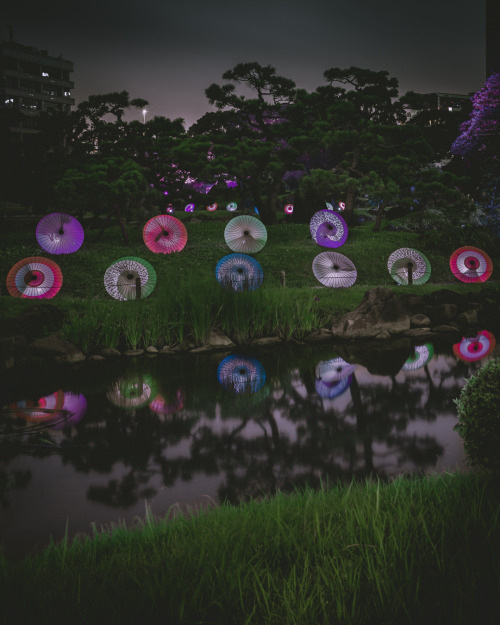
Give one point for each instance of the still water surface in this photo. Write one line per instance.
(97, 442)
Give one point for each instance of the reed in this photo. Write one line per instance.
(410, 551)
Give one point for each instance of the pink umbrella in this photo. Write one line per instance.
(288, 209)
(470, 264)
(35, 277)
(475, 348)
(165, 234)
(212, 207)
(58, 233)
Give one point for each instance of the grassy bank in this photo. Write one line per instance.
(413, 551)
(188, 301)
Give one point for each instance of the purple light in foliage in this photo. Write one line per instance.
(231, 184)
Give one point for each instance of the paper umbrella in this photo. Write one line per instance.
(241, 374)
(130, 278)
(475, 348)
(470, 264)
(58, 233)
(245, 234)
(328, 229)
(334, 270)
(407, 264)
(239, 272)
(35, 277)
(165, 234)
(419, 358)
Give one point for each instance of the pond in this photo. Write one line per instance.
(99, 442)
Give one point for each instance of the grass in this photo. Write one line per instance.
(188, 301)
(411, 551)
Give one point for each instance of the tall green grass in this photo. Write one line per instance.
(412, 551)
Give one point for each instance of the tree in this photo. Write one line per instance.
(104, 187)
(250, 137)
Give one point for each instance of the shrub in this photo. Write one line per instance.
(478, 407)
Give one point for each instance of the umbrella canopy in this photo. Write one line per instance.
(163, 407)
(232, 206)
(288, 209)
(245, 234)
(132, 391)
(35, 277)
(330, 390)
(239, 272)
(470, 264)
(189, 207)
(333, 370)
(58, 233)
(164, 234)
(328, 229)
(212, 207)
(56, 411)
(420, 357)
(334, 270)
(241, 374)
(120, 278)
(471, 349)
(400, 262)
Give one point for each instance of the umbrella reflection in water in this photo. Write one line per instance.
(333, 377)
(241, 374)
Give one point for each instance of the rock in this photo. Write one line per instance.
(202, 349)
(11, 348)
(217, 339)
(414, 303)
(134, 352)
(382, 336)
(167, 350)
(467, 318)
(96, 357)
(443, 313)
(419, 333)
(420, 321)
(323, 334)
(267, 340)
(381, 309)
(152, 349)
(58, 349)
(445, 296)
(446, 329)
(109, 352)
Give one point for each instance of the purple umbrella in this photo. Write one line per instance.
(58, 233)
(328, 229)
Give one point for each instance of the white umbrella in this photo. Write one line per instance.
(334, 270)
(245, 234)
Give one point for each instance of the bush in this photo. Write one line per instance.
(478, 408)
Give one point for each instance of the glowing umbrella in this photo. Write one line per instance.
(58, 233)
(471, 349)
(342, 206)
(35, 277)
(57, 411)
(330, 390)
(189, 208)
(232, 206)
(130, 278)
(164, 234)
(288, 209)
(409, 266)
(420, 357)
(239, 272)
(170, 209)
(334, 270)
(333, 370)
(212, 207)
(241, 374)
(470, 264)
(245, 234)
(328, 229)
(329, 206)
(134, 391)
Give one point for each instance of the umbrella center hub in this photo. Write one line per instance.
(336, 267)
(165, 233)
(246, 232)
(471, 263)
(240, 270)
(61, 231)
(241, 371)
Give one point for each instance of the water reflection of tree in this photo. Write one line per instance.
(289, 438)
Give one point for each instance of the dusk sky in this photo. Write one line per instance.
(169, 52)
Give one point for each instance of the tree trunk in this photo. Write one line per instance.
(350, 198)
(122, 225)
(380, 214)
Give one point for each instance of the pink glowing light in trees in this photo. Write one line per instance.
(484, 119)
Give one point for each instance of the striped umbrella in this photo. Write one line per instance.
(232, 206)
(328, 229)
(164, 234)
(241, 374)
(470, 264)
(406, 262)
(245, 234)
(125, 275)
(239, 272)
(58, 233)
(162, 407)
(132, 391)
(334, 270)
(288, 209)
(35, 277)
(420, 357)
(475, 348)
(330, 390)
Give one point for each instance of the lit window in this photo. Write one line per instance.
(67, 93)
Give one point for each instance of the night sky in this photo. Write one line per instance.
(169, 52)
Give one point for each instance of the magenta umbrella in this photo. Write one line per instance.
(58, 233)
(35, 277)
(328, 229)
(164, 234)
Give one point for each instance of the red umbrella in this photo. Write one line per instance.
(35, 277)
(470, 264)
(164, 234)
